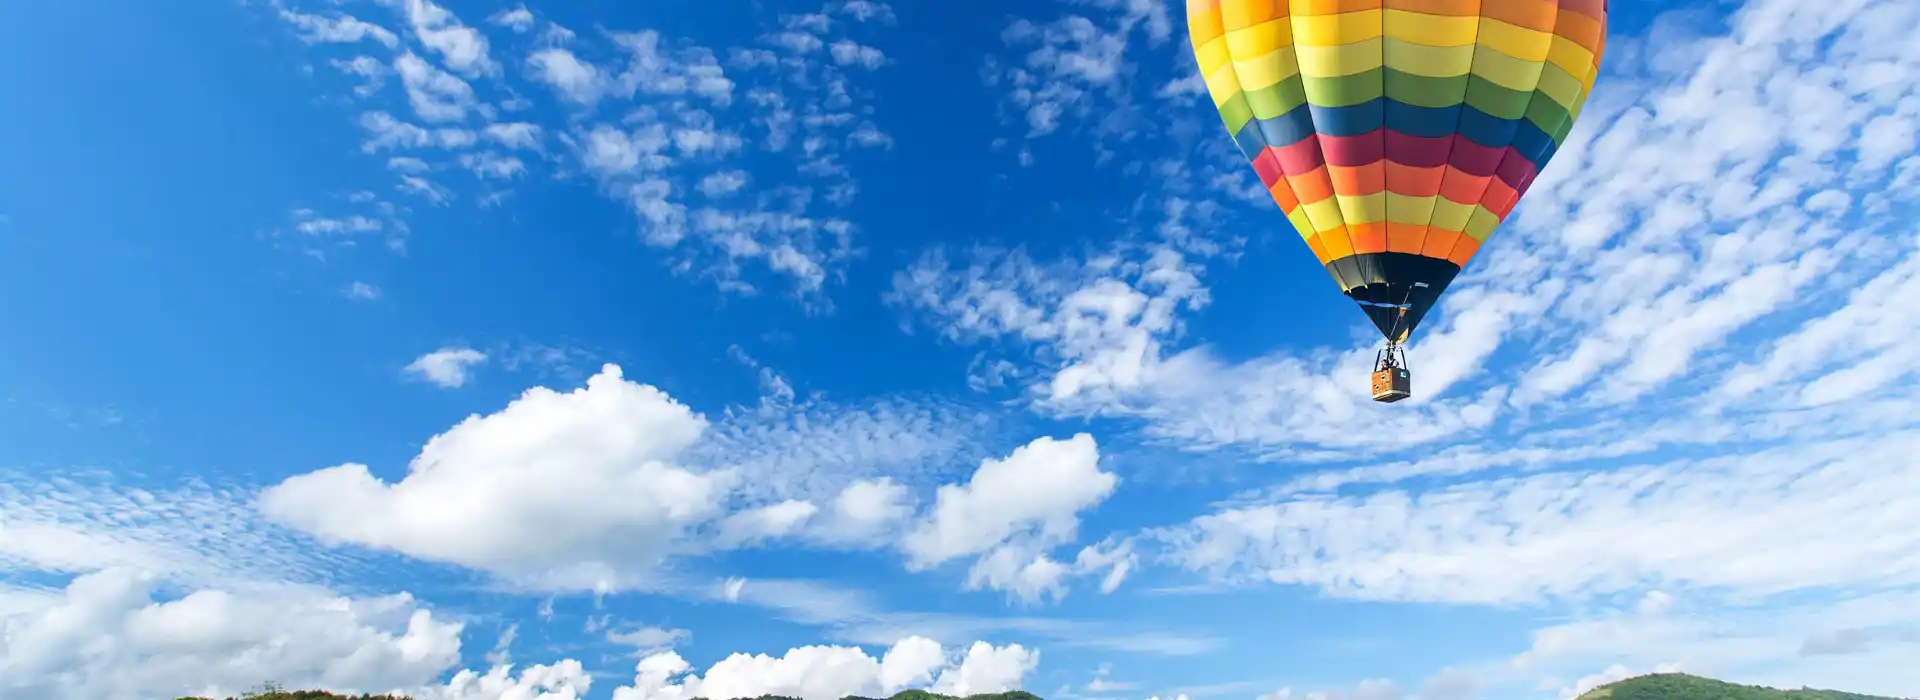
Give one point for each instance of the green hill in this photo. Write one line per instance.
(1680, 686)
(904, 695)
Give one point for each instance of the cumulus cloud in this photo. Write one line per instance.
(566, 680)
(1010, 513)
(576, 489)
(866, 512)
(1036, 491)
(450, 368)
(831, 672)
(105, 637)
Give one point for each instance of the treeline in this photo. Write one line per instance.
(1679, 686)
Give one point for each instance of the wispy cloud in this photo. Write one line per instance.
(1751, 523)
(199, 534)
(450, 368)
(1076, 65)
(338, 29)
(361, 291)
(689, 119)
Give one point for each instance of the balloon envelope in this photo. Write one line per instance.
(1397, 134)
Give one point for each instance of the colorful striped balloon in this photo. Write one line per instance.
(1397, 134)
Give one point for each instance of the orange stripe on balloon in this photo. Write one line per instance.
(1463, 250)
(1580, 29)
(1337, 243)
(1368, 238)
(1414, 182)
(1405, 238)
(1440, 243)
(1355, 182)
(1283, 196)
(1537, 15)
(1312, 185)
(1319, 249)
(1463, 188)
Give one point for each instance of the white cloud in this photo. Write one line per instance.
(196, 535)
(830, 672)
(1010, 513)
(361, 291)
(106, 638)
(1757, 522)
(821, 451)
(407, 164)
(436, 95)
(1037, 491)
(651, 70)
(867, 10)
(1074, 62)
(518, 19)
(369, 69)
(462, 48)
(575, 80)
(342, 29)
(451, 368)
(646, 641)
(568, 490)
(850, 53)
(347, 225)
(1742, 643)
(385, 133)
(566, 680)
(683, 141)
(753, 526)
(515, 135)
(426, 189)
(723, 183)
(493, 165)
(865, 512)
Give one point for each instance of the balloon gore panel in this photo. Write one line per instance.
(1396, 135)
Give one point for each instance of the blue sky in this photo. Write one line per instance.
(568, 350)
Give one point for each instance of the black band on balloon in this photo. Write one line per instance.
(1395, 289)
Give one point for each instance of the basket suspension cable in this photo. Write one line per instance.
(1389, 361)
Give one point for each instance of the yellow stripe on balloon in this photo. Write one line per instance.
(1431, 30)
(1334, 30)
(1337, 61)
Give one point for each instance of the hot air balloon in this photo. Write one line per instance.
(1397, 134)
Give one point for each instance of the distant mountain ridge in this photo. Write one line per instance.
(1680, 686)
